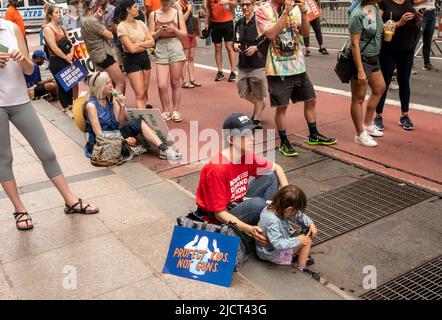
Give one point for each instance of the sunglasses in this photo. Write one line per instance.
(245, 4)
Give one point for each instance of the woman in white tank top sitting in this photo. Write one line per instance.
(15, 107)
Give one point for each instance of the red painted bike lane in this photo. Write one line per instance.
(414, 156)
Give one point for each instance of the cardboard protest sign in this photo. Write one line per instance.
(202, 255)
(71, 75)
(154, 120)
(80, 52)
(313, 10)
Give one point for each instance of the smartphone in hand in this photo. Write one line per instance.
(3, 48)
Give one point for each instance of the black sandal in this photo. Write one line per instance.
(18, 219)
(82, 210)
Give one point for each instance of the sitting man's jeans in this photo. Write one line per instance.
(259, 191)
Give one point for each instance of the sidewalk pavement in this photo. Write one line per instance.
(116, 254)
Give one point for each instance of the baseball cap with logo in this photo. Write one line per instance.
(239, 123)
(39, 54)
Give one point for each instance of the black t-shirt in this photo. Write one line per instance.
(246, 34)
(404, 37)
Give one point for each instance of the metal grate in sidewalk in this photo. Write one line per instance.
(347, 208)
(422, 283)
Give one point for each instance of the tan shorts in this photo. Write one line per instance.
(168, 51)
(252, 82)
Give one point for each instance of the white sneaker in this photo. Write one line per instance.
(170, 154)
(366, 140)
(373, 131)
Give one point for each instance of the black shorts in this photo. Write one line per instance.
(132, 128)
(40, 90)
(296, 88)
(134, 62)
(222, 30)
(107, 62)
(370, 64)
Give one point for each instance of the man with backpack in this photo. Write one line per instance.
(225, 192)
(282, 23)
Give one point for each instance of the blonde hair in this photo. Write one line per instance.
(97, 83)
(50, 12)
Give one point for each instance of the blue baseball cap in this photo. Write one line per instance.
(39, 54)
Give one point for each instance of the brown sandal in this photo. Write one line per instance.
(18, 219)
(82, 210)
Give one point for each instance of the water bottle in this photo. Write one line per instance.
(209, 40)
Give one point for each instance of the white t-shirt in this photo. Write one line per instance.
(13, 89)
(429, 5)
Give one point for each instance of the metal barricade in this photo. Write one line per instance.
(334, 16)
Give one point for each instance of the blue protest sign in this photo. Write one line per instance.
(202, 255)
(71, 75)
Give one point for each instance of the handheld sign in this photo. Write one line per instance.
(154, 119)
(313, 10)
(71, 75)
(80, 50)
(202, 255)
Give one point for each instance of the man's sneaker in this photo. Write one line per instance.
(379, 122)
(232, 77)
(366, 140)
(311, 274)
(310, 260)
(323, 51)
(406, 123)
(287, 149)
(430, 67)
(320, 139)
(219, 76)
(307, 52)
(413, 70)
(372, 131)
(170, 154)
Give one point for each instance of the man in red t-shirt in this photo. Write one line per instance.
(224, 193)
(219, 18)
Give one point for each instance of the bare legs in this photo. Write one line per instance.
(174, 72)
(358, 91)
(258, 106)
(59, 182)
(189, 67)
(117, 77)
(140, 83)
(219, 56)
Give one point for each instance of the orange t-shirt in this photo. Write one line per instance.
(12, 14)
(218, 13)
(153, 4)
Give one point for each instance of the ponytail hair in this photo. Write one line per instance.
(124, 6)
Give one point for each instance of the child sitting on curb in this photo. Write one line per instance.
(284, 249)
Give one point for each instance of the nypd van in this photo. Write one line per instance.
(32, 11)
